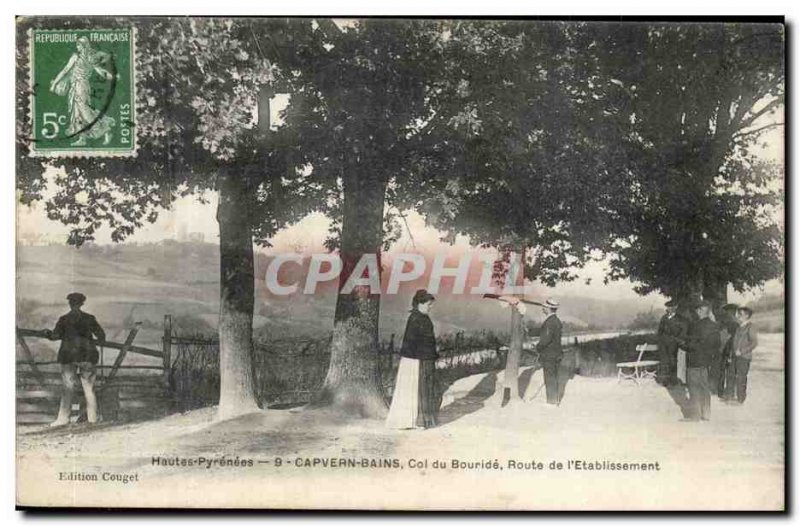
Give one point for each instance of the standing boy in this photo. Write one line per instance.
(702, 344)
(745, 340)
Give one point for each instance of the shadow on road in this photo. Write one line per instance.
(487, 388)
(525, 383)
(680, 396)
(470, 403)
(567, 369)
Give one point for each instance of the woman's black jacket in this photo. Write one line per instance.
(419, 341)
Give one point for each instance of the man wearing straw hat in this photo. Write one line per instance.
(78, 356)
(549, 348)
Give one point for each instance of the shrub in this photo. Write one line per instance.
(645, 321)
(290, 370)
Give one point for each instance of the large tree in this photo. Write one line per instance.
(198, 82)
(690, 103)
(359, 97)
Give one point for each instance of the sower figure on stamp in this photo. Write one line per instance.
(78, 356)
(701, 345)
(74, 81)
(671, 330)
(744, 342)
(549, 348)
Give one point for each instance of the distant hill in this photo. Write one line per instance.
(768, 302)
(769, 312)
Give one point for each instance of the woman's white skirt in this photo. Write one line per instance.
(405, 399)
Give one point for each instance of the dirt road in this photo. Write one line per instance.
(482, 456)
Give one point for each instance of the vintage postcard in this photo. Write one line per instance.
(411, 264)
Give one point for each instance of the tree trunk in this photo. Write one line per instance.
(353, 381)
(717, 293)
(691, 291)
(511, 375)
(237, 379)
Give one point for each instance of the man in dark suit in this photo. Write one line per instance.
(727, 325)
(549, 348)
(78, 356)
(701, 345)
(744, 341)
(671, 330)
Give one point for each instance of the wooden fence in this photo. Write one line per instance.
(124, 391)
(184, 374)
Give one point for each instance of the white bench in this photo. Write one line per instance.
(638, 370)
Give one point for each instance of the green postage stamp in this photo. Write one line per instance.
(82, 92)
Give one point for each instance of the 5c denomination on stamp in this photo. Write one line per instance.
(83, 92)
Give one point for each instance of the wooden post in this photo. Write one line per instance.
(123, 352)
(511, 375)
(166, 343)
(514, 354)
(390, 357)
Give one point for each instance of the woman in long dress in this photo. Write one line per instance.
(74, 82)
(415, 402)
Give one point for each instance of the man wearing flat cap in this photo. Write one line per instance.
(549, 348)
(78, 356)
(671, 329)
(701, 345)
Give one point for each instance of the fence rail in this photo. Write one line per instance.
(287, 370)
(111, 345)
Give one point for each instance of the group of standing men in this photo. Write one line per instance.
(718, 353)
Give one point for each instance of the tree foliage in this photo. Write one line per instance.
(197, 84)
(359, 96)
(360, 93)
(522, 156)
(697, 204)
